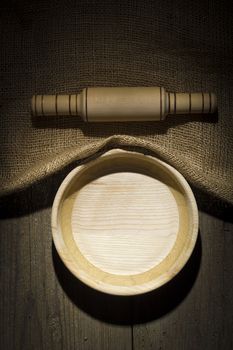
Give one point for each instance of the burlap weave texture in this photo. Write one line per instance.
(62, 47)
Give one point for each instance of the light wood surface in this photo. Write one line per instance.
(108, 104)
(124, 223)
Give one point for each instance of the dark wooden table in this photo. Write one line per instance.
(44, 307)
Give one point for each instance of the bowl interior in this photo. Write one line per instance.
(124, 223)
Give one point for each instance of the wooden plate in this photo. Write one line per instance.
(124, 223)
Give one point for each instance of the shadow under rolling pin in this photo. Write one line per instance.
(110, 104)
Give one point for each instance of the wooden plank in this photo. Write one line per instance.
(42, 306)
(194, 312)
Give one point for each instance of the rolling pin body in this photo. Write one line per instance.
(104, 104)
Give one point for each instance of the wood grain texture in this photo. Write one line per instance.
(124, 223)
(43, 307)
(204, 319)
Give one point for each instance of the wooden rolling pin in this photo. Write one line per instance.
(108, 104)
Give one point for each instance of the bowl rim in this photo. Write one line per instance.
(63, 250)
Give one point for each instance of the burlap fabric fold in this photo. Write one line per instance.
(62, 47)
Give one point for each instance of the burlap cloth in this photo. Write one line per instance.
(62, 47)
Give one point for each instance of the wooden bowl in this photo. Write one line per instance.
(124, 223)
